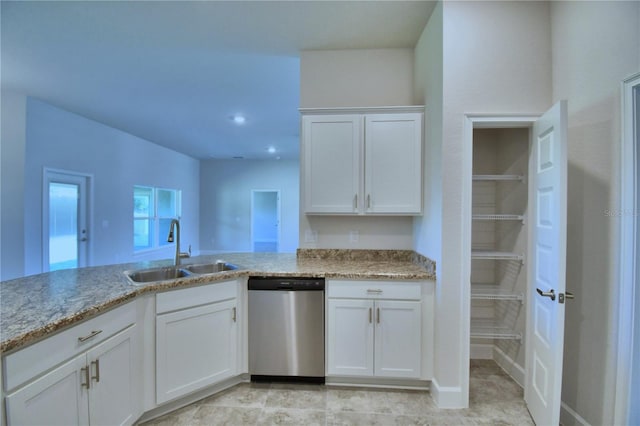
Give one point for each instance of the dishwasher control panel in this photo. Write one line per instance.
(281, 283)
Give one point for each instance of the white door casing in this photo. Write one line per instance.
(627, 327)
(83, 183)
(547, 265)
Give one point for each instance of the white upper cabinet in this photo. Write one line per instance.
(365, 161)
(332, 163)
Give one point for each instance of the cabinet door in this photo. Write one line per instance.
(350, 337)
(331, 167)
(114, 397)
(398, 339)
(195, 348)
(57, 398)
(393, 163)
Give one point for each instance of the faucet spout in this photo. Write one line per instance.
(175, 226)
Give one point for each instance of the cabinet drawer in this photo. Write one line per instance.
(195, 296)
(36, 359)
(405, 290)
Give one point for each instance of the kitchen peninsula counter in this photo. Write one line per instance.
(37, 306)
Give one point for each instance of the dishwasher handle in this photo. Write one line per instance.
(286, 284)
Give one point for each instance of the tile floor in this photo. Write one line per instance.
(495, 399)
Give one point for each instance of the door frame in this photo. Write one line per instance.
(629, 238)
(278, 215)
(47, 172)
(471, 122)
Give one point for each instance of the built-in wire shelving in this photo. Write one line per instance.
(492, 329)
(498, 217)
(495, 178)
(496, 255)
(493, 292)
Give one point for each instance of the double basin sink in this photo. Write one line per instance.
(173, 272)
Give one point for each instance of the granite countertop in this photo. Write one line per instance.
(35, 306)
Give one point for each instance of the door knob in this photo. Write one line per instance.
(551, 294)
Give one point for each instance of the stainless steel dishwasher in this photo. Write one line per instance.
(286, 329)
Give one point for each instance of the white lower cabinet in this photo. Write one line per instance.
(196, 343)
(374, 337)
(96, 387)
(350, 338)
(397, 345)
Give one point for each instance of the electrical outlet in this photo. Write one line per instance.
(310, 236)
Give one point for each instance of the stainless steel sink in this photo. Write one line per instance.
(157, 274)
(210, 268)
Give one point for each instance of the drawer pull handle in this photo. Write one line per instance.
(370, 315)
(97, 364)
(374, 291)
(233, 314)
(86, 376)
(378, 315)
(89, 336)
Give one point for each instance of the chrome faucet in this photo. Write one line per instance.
(175, 223)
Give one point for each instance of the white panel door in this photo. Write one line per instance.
(114, 397)
(393, 163)
(545, 329)
(398, 339)
(350, 337)
(331, 168)
(195, 348)
(57, 398)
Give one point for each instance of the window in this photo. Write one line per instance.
(153, 209)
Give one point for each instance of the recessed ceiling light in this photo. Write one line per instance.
(238, 119)
(271, 150)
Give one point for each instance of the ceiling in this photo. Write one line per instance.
(175, 72)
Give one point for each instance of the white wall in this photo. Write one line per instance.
(496, 59)
(356, 78)
(225, 201)
(428, 91)
(595, 46)
(117, 160)
(12, 151)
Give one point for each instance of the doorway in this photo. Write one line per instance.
(65, 213)
(628, 367)
(516, 201)
(265, 220)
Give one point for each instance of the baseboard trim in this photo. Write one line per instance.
(378, 382)
(191, 398)
(448, 397)
(568, 417)
(507, 363)
(481, 351)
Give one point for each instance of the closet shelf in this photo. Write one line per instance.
(496, 255)
(490, 329)
(478, 178)
(492, 292)
(498, 217)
